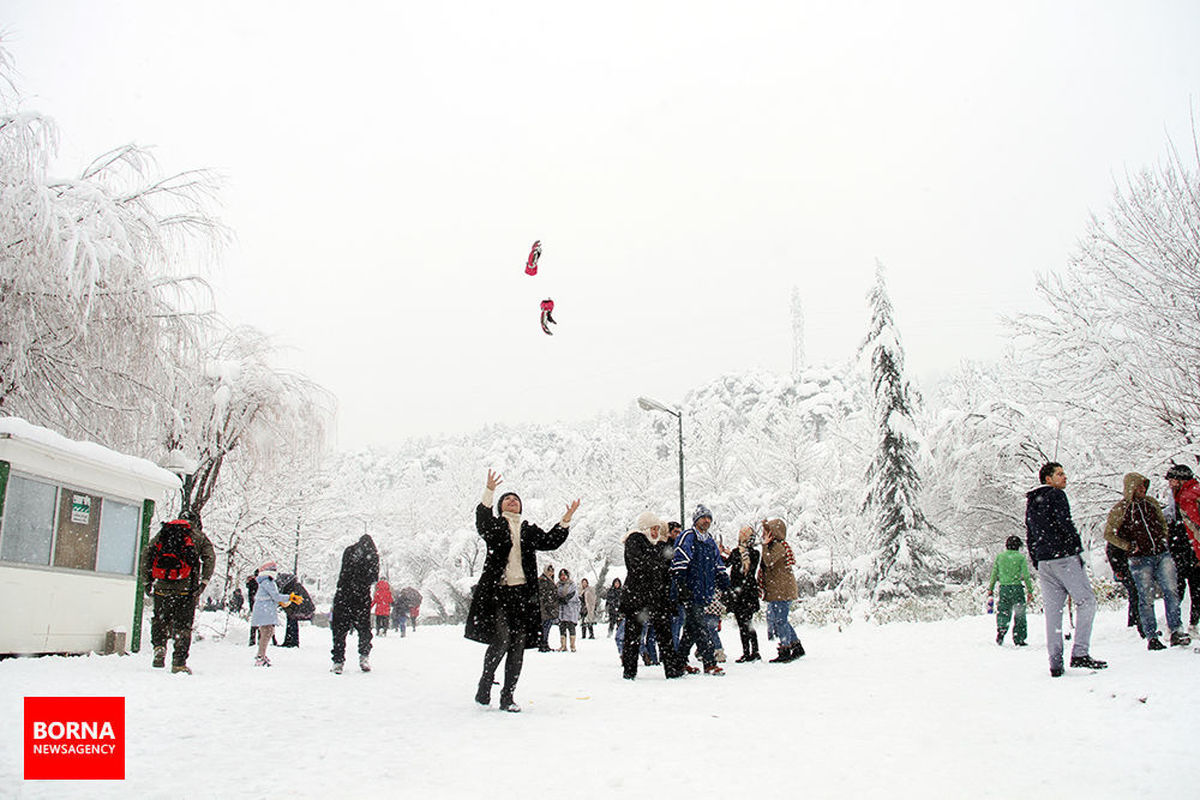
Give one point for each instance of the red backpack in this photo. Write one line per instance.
(175, 553)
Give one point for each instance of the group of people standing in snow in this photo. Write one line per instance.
(1148, 549)
(678, 584)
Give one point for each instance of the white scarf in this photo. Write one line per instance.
(514, 573)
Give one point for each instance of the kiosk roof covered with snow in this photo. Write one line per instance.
(73, 520)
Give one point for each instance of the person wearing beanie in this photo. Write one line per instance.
(352, 602)
(264, 614)
(697, 574)
(1136, 525)
(779, 588)
(1011, 571)
(646, 599)
(1186, 491)
(504, 612)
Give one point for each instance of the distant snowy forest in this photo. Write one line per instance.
(896, 499)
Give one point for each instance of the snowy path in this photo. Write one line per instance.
(904, 710)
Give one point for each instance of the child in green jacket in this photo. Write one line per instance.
(1011, 570)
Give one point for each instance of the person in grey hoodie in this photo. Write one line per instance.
(1055, 550)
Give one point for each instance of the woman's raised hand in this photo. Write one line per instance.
(493, 480)
(570, 512)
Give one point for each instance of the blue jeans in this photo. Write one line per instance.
(777, 618)
(1147, 571)
(677, 627)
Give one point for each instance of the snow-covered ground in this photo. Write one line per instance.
(901, 710)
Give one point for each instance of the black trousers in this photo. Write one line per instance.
(745, 623)
(631, 647)
(1189, 576)
(173, 616)
(291, 637)
(350, 614)
(507, 645)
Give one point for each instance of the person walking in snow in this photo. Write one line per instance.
(174, 566)
(697, 574)
(568, 609)
(743, 563)
(504, 612)
(587, 611)
(646, 599)
(381, 606)
(779, 588)
(1056, 552)
(547, 606)
(264, 615)
(1016, 585)
(352, 602)
(1136, 525)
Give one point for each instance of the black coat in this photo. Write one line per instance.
(1049, 531)
(481, 618)
(743, 586)
(647, 576)
(360, 570)
(290, 584)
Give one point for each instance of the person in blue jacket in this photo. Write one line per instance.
(697, 574)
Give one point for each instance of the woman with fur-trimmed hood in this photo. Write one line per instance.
(504, 611)
(646, 599)
(779, 588)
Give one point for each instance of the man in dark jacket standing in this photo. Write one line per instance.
(352, 601)
(1055, 550)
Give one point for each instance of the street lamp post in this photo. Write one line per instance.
(647, 404)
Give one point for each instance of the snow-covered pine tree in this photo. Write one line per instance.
(904, 563)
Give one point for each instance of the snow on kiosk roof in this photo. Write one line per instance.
(74, 517)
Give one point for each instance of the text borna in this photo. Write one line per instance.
(73, 730)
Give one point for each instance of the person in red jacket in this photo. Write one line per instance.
(1187, 501)
(381, 606)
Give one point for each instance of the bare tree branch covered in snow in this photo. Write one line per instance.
(96, 317)
(1119, 348)
(241, 401)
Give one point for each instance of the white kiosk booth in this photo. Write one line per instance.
(74, 519)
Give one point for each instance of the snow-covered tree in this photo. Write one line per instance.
(1119, 346)
(96, 316)
(904, 562)
(242, 401)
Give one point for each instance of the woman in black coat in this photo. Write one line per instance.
(743, 591)
(646, 598)
(504, 611)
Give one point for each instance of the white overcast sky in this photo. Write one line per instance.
(387, 166)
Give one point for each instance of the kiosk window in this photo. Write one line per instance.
(28, 525)
(119, 527)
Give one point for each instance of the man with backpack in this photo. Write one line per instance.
(176, 566)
